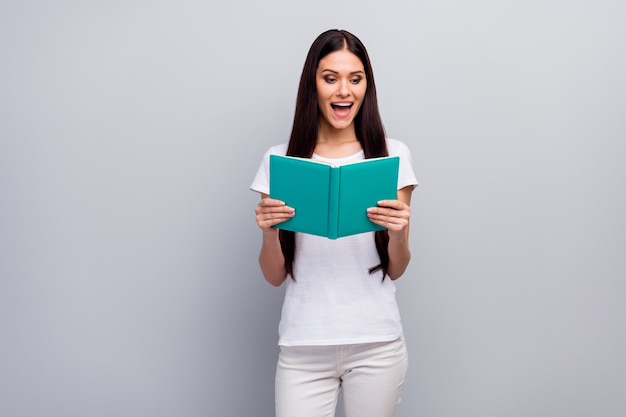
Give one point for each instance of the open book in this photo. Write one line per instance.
(332, 201)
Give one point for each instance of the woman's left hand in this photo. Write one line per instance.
(392, 214)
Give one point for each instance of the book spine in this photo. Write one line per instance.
(333, 202)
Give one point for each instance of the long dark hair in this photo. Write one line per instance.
(367, 123)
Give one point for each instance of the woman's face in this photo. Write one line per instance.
(341, 86)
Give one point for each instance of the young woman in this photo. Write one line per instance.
(340, 326)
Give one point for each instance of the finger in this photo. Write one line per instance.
(275, 215)
(270, 202)
(388, 212)
(390, 222)
(389, 218)
(266, 219)
(394, 204)
(271, 221)
(392, 226)
(274, 209)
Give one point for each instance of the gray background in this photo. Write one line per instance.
(131, 130)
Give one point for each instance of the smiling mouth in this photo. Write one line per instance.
(341, 106)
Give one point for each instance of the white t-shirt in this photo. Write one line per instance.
(334, 299)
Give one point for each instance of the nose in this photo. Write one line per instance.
(343, 90)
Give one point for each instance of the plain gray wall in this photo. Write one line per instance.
(130, 132)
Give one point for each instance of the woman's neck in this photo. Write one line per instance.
(337, 143)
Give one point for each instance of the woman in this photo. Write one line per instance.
(340, 326)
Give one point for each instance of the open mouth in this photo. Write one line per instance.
(341, 106)
(341, 109)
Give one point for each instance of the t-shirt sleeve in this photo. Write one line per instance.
(261, 181)
(406, 175)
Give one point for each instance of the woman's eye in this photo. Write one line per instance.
(355, 80)
(330, 80)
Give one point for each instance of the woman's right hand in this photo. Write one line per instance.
(270, 212)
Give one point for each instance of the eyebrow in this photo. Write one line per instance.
(336, 72)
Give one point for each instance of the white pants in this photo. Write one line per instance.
(371, 376)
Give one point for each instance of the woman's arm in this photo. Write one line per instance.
(271, 260)
(394, 215)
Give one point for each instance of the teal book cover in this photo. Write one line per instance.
(332, 201)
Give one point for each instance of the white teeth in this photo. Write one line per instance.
(342, 104)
